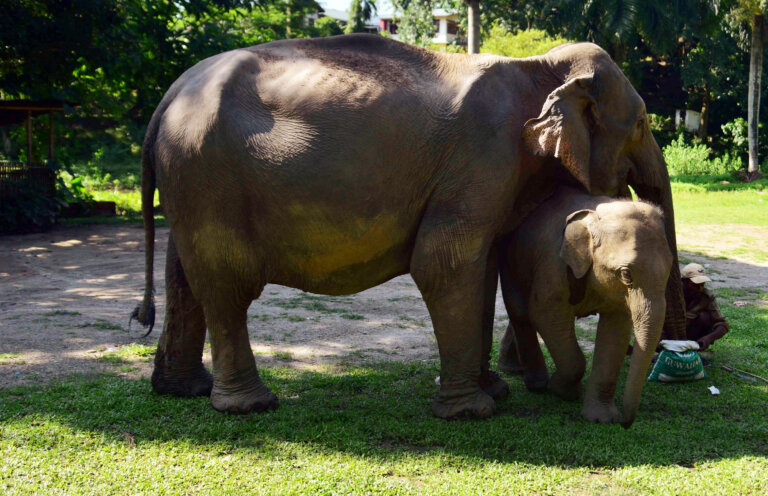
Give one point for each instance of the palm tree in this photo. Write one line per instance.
(753, 12)
(617, 25)
(359, 12)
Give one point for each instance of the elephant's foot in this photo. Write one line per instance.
(493, 385)
(197, 382)
(536, 381)
(566, 388)
(602, 413)
(256, 399)
(463, 403)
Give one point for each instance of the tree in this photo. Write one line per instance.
(473, 26)
(416, 24)
(710, 69)
(620, 25)
(753, 12)
(524, 43)
(359, 12)
(328, 26)
(116, 58)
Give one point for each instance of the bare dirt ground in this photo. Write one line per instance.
(65, 297)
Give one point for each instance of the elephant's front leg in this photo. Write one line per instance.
(558, 331)
(179, 368)
(613, 334)
(453, 288)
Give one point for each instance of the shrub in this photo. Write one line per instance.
(663, 129)
(328, 26)
(735, 135)
(27, 207)
(693, 159)
(521, 44)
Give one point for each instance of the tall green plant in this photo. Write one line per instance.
(360, 11)
(524, 43)
(416, 24)
(753, 12)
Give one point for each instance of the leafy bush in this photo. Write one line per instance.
(521, 44)
(663, 129)
(660, 123)
(693, 159)
(328, 26)
(735, 133)
(27, 207)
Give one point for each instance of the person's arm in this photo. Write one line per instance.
(720, 329)
(720, 326)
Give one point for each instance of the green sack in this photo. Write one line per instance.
(676, 366)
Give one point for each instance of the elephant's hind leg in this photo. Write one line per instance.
(179, 367)
(519, 351)
(490, 381)
(237, 387)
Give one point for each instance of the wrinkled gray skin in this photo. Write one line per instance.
(577, 255)
(334, 164)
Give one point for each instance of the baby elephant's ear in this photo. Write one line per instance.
(576, 249)
(563, 128)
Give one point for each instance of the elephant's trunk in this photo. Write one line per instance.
(650, 179)
(647, 319)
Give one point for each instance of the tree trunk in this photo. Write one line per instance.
(704, 121)
(755, 74)
(288, 21)
(473, 26)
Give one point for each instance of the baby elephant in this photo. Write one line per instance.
(577, 255)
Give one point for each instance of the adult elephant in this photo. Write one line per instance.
(332, 165)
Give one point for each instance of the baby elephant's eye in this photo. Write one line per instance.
(626, 276)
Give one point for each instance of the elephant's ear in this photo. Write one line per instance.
(562, 130)
(576, 249)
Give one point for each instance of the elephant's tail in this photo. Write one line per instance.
(145, 312)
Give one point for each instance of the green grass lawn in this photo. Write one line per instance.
(367, 429)
(703, 200)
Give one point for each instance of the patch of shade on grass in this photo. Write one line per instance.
(367, 429)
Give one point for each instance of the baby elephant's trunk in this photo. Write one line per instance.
(648, 320)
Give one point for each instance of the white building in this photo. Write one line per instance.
(446, 26)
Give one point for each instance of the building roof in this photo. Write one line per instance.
(435, 13)
(16, 111)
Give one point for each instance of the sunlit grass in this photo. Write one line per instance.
(367, 429)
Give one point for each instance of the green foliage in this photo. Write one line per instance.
(659, 122)
(360, 12)
(447, 48)
(735, 133)
(663, 129)
(416, 24)
(27, 207)
(621, 25)
(524, 43)
(328, 26)
(367, 430)
(684, 158)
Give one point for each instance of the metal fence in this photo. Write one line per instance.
(15, 176)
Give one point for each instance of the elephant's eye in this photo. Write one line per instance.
(626, 276)
(639, 127)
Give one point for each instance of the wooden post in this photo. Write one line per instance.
(50, 136)
(29, 136)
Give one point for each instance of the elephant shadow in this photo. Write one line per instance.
(380, 411)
